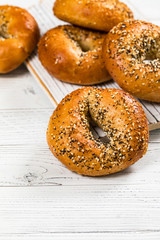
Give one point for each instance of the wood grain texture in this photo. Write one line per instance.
(73, 210)
(120, 235)
(18, 90)
(73, 213)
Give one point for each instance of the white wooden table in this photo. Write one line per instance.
(41, 199)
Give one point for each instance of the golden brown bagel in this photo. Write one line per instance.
(131, 52)
(119, 115)
(19, 35)
(74, 55)
(101, 15)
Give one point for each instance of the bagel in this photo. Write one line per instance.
(119, 115)
(19, 35)
(73, 55)
(100, 15)
(131, 53)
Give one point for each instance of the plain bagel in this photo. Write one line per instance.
(131, 52)
(101, 15)
(19, 35)
(119, 115)
(73, 55)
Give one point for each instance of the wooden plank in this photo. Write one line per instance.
(19, 90)
(121, 235)
(27, 126)
(109, 209)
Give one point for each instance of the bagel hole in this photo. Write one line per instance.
(98, 133)
(150, 57)
(153, 52)
(3, 31)
(80, 41)
(84, 46)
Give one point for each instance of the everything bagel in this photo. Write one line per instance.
(100, 15)
(73, 55)
(19, 35)
(119, 115)
(131, 52)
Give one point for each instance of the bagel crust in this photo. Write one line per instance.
(73, 55)
(119, 115)
(100, 15)
(19, 35)
(131, 52)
